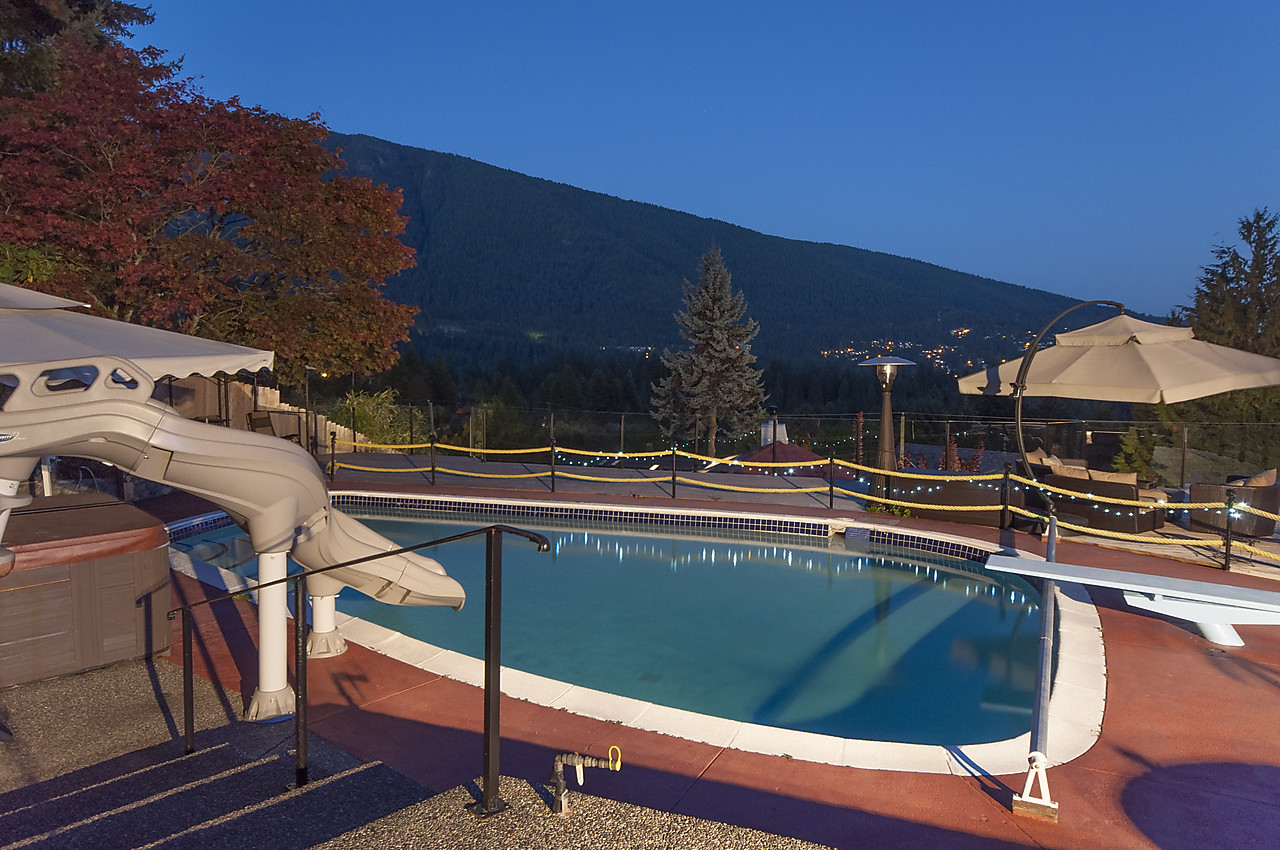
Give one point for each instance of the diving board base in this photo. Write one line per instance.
(1028, 803)
(1215, 622)
(1214, 608)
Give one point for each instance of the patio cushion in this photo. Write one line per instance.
(1071, 472)
(1114, 477)
(1262, 479)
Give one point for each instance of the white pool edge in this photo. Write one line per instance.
(1075, 708)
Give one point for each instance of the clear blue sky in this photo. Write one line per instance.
(1094, 149)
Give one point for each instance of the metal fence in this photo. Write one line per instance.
(1170, 453)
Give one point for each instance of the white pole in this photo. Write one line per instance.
(273, 699)
(1029, 802)
(325, 641)
(9, 499)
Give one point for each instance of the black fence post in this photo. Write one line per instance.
(433, 458)
(300, 631)
(831, 483)
(188, 685)
(673, 472)
(1226, 536)
(333, 454)
(1005, 516)
(551, 432)
(490, 801)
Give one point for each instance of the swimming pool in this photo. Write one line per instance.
(850, 640)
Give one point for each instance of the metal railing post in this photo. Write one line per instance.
(493, 662)
(333, 454)
(552, 434)
(433, 458)
(831, 483)
(188, 685)
(300, 631)
(1005, 517)
(491, 803)
(1226, 536)
(673, 472)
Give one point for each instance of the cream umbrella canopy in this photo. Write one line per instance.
(1128, 360)
(35, 328)
(17, 298)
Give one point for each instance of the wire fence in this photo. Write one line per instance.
(1171, 454)
(965, 497)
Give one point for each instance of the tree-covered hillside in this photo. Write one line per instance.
(504, 260)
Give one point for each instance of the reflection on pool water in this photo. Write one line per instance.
(842, 639)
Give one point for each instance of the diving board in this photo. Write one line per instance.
(1214, 608)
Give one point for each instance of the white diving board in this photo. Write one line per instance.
(1214, 608)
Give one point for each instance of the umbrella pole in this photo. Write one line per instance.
(1028, 802)
(1020, 384)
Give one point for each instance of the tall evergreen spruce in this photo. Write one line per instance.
(1238, 297)
(712, 386)
(1237, 303)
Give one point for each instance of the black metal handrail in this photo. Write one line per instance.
(491, 803)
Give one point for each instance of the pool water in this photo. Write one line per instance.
(840, 639)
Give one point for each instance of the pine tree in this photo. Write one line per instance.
(711, 386)
(1236, 304)
(28, 52)
(1236, 300)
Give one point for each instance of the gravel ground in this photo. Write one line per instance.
(441, 823)
(61, 736)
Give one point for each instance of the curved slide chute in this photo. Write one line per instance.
(101, 408)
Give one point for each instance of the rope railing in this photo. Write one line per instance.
(742, 488)
(864, 473)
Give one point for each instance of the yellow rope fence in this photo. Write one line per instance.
(422, 469)
(694, 482)
(831, 488)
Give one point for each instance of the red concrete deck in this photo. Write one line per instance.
(1189, 754)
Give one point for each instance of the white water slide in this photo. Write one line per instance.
(101, 408)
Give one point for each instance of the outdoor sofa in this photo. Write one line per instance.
(946, 493)
(1084, 509)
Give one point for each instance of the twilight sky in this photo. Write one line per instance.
(1093, 149)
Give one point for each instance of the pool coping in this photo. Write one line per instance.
(1076, 705)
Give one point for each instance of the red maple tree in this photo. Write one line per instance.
(163, 207)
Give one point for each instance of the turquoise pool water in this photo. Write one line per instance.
(840, 639)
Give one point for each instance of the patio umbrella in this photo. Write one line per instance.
(1127, 359)
(17, 298)
(36, 328)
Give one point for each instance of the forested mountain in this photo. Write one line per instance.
(506, 261)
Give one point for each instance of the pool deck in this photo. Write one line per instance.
(1188, 754)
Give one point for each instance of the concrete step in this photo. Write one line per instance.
(221, 795)
(91, 792)
(134, 820)
(318, 812)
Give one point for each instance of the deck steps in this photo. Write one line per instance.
(218, 796)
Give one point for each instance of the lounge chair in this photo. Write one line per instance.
(260, 421)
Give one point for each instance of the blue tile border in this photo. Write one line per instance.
(401, 505)
(197, 525)
(526, 510)
(903, 540)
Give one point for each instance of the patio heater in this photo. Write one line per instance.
(886, 371)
